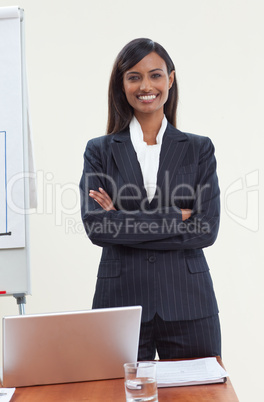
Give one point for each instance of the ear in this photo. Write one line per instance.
(171, 78)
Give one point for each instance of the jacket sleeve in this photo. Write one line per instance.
(162, 230)
(201, 229)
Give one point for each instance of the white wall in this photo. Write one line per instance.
(217, 47)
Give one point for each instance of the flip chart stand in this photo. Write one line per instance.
(21, 301)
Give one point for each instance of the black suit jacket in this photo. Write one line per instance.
(150, 257)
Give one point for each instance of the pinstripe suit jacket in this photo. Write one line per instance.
(149, 256)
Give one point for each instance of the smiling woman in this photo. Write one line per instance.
(150, 198)
(147, 88)
(147, 62)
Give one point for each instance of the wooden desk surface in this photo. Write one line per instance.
(114, 391)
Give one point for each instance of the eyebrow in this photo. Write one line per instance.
(151, 71)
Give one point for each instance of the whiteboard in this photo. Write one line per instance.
(14, 156)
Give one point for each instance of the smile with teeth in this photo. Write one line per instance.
(146, 97)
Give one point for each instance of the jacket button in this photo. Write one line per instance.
(152, 258)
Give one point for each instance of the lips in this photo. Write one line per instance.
(147, 97)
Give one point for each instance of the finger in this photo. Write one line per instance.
(95, 193)
(102, 199)
(104, 196)
(98, 197)
(103, 205)
(101, 194)
(102, 191)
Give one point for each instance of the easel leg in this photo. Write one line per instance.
(21, 301)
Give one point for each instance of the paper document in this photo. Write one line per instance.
(6, 394)
(190, 372)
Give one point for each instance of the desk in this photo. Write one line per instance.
(113, 391)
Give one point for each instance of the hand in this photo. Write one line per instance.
(186, 213)
(103, 199)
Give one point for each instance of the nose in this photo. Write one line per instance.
(145, 85)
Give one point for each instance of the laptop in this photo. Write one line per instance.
(69, 347)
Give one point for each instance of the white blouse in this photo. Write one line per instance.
(147, 155)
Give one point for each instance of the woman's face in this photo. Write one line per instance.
(147, 84)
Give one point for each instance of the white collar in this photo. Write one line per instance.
(136, 133)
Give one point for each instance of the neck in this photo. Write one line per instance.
(150, 125)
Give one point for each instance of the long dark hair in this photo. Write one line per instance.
(120, 112)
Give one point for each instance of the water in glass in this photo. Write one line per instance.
(141, 390)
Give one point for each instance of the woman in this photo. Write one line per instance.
(150, 198)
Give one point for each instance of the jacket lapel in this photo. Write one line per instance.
(127, 163)
(173, 149)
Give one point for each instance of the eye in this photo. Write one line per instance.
(156, 75)
(133, 77)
